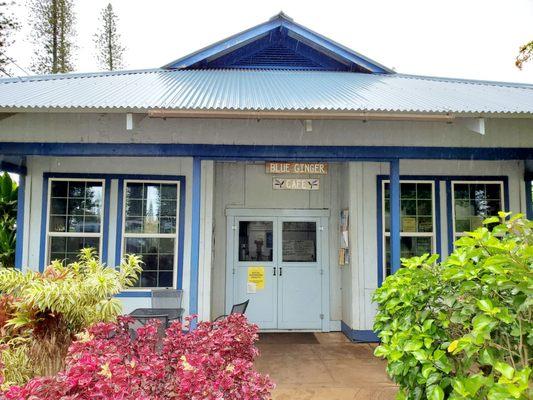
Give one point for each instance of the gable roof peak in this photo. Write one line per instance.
(281, 15)
(279, 43)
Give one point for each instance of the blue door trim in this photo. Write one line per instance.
(120, 212)
(195, 235)
(262, 152)
(19, 249)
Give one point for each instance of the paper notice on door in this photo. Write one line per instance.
(256, 277)
(251, 288)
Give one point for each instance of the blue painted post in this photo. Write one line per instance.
(195, 235)
(20, 222)
(529, 198)
(395, 215)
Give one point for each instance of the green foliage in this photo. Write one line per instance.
(80, 292)
(52, 35)
(42, 312)
(8, 25)
(15, 362)
(109, 49)
(8, 220)
(463, 329)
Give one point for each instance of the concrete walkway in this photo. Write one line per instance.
(329, 367)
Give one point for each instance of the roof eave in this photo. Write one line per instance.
(393, 115)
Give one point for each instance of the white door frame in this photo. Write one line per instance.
(231, 228)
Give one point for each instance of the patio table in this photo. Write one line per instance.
(168, 314)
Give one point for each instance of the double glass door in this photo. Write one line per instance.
(277, 265)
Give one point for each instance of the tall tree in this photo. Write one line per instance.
(525, 54)
(53, 35)
(8, 24)
(110, 51)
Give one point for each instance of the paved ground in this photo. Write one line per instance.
(329, 367)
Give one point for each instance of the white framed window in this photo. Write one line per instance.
(417, 220)
(472, 202)
(150, 229)
(75, 217)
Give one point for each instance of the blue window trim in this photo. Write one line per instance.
(263, 152)
(449, 199)
(44, 211)
(19, 249)
(448, 179)
(436, 193)
(181, 227)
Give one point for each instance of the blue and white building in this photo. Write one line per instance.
(275, 165)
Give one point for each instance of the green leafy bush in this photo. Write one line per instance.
(8, 220)
(40, 313)
(462, 329)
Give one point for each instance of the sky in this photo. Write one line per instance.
(477, 39)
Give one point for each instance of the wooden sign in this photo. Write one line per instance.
(317, 168)
(295, 184)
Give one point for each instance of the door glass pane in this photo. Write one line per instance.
(299, 241)
(255, 241)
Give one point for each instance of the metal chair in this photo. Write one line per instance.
(167, 298)
(166, 307)
(236, 309)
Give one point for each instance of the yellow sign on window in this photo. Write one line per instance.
(256, 276)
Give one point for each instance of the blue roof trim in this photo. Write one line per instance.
(329, 49)
(263, 152)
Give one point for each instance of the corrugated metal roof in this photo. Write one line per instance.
(264, 90)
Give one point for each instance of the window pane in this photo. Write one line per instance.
(81, 205)
(169, 192)
(473, 202)
(409, 247)
(67, 249)
(157, 255)
(151, 208)
(58, 206)
(134, 190)
(416, 207)
(408, 191)
(255, 241)
(75, 207)
(58, 223)
(59, 189)
(299, 241)
(76, 189)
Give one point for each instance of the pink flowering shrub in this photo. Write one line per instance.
(214, 361)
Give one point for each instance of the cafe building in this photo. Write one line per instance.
(275, 166)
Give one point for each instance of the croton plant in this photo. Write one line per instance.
(214, 361)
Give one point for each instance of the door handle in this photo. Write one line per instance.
(274, 271)
(280, 271)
